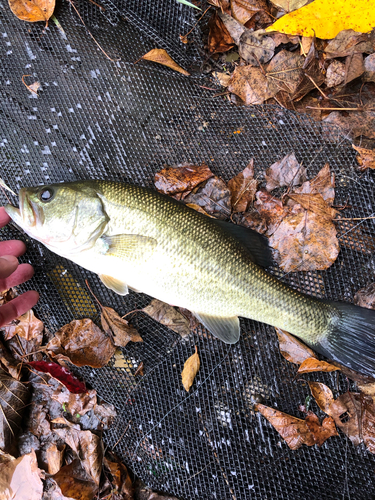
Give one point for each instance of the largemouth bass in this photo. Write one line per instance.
(136, 238)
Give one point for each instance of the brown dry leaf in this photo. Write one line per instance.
(14, 396)
(365, 158)
(369, 63)
(259, 21)
(244, 10)
(312, 77)
(354, 67)
(243, 188)
(198, 209)
(54, 458)
(293, 430)
(290, 5)
(234, 28)
(256, 48)
(121, 479)
(33, 88)
(8, 363)
(286, 172)
(222, 77)
(74, 482)
(335, 74)
(219, 38)
(161, 56)
(366, 297)
(346, 411)
(82, 343)
(323, 183)
(293, 349)
(306, 42)
(353, 124)
(286, 72)
(191, 368)
(368, 426)
(32, 10)
(75, 403)
(348, 42)
(322, 394)
(320, 431)
(271, 209)
(87, 446)
(305, 241)
(251, 85)
(20, 479)
(314, 365)
(26, 326)
(118, 328)
(314, 203)
(185, 177)
(169, 316)
(213, 196)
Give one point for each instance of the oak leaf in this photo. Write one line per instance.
(191, 368)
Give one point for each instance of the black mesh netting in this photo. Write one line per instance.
(115, 120)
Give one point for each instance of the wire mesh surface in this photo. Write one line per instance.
(99, 119)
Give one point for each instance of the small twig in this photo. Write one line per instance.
(335, 109)
(131, 312)
(122, 435)
(92, 293)
(184, 36)
(315, 85)
(89, 32)
(196, 474)
(354, 218)
(43, 349)
(100, 6)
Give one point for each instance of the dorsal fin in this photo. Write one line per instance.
(256, 244)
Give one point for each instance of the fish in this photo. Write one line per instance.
(135, 238)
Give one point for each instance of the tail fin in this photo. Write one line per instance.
(351, 339)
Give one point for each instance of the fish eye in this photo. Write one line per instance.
(46, 194)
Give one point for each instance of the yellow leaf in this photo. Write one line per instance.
(191, 368)
(326, 18)
(32, 10)
(162, 57)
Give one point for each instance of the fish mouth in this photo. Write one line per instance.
(26, 215)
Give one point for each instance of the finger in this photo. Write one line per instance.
(23, 273)
(8, 264)
(4, 217)
(12, 247)
(13, 309)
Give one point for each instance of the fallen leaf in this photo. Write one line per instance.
(290, 5)
(213, 196)
(121, 479)
(293, 430)
(305, 241)
(311, 77)
(255, 47)
(20, 479)
(369, 63)
(99, 419)
(191, 368)
(14, 396)
(314, 203)
(335, 74)
(320, 431)
(33, 88)
(286, 172)
(323, 183)
(243, 188)
(322, 394)
(118, 328)
(365, 158)
(270, 209)
(87, 446)
(222, 77)
(82, 343)
(259, 21)
(366, 297)
(347, 42)
(314, 365)
(185, 177)
(243, 10)
(54, 458)
(326, 18)
(26, 326)
(139, 370)
(61, 374)
(292, 349)
(354, 67)
(251, 85)
(169, 316)
(306, 42)
(285, 70)
(74, 482)
(368, 426)
(219, 38)
(234, 28)
(353, 124)
(32, 10)
(8, 363)
(161, 56)
(346, 411)
(75, 403)
(198, 209)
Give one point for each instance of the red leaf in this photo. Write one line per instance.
(61, 374)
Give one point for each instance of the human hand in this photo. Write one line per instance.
(12, 274)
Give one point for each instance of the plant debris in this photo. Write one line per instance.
(161, 56)
(118, 328)
(365, 158)
(32, 10)
(286, 172)
(61, 374)
(243, 188)
(314, 365)
(191, 368)
(169, 316)
(182, 178)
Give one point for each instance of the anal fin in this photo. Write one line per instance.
(225, 329)
(114, 284)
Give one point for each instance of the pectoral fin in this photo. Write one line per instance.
(225, 329)
(129, 246)
(116, 285)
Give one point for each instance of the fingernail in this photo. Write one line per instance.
(11, 259)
